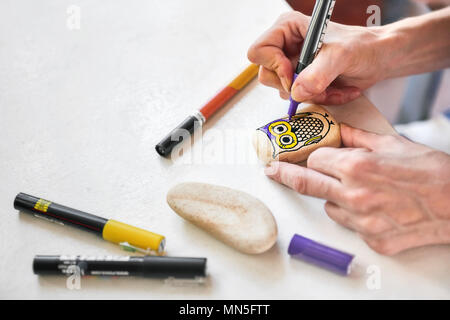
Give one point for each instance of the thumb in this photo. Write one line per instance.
(357, 138)
(315, 78)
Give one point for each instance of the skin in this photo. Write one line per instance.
(352, 58)
(393, 192)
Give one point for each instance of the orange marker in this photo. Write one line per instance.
(212, 106)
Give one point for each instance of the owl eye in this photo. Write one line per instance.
(287, 139)
(280, 129)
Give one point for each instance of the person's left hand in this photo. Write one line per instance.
(393, 192)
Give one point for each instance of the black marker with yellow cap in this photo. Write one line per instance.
(128, 237)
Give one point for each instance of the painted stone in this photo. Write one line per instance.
(234, 217)
(294, 140)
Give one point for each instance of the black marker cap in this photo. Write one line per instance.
(176, 136)
(25, 202)
(46, 265)
(56, 212)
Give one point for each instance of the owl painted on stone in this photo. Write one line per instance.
(293, 140)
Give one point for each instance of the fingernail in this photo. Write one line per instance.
(285, 83)
(312, 81)
(272, 169)
(268, 170)
(355, 95)
(300, 93)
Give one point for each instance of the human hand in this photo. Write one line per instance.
(395, 193)
(350, 60)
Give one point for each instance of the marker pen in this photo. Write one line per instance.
(321, 255)
(144, 266)
(313, 41)
(128, 237)
(200, 117)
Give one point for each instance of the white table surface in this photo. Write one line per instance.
(80, 113)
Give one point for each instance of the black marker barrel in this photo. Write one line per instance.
(58, 213)
(147, 266)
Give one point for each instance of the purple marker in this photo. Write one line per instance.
(313, 41)
(293, 105)
(321, 255)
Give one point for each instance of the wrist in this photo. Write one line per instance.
(390, 46)
(415, 45)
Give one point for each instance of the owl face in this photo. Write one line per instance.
(303, 129)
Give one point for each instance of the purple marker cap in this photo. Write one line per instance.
(293, 104)
(319, 254)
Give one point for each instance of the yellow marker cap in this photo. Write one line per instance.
(133, 238)
(245, 77)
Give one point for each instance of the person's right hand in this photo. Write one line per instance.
(350, 60)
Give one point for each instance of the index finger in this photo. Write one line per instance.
(306, 181)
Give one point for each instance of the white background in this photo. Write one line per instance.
(80, 113)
